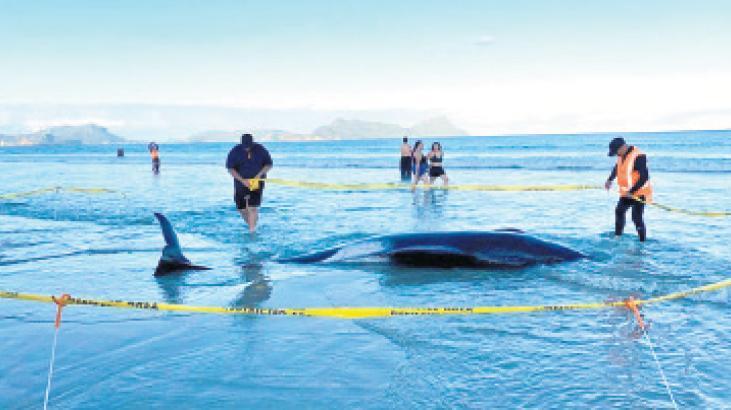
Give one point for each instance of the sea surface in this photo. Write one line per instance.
(106, 246)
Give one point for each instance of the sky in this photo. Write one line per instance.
(492, 67)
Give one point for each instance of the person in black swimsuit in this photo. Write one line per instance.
(436, 169)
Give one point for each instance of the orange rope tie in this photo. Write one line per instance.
(631, 304)
(60, 303)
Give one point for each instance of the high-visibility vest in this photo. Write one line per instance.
(627, 176)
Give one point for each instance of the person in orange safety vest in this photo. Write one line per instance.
(635, 189)
(155, 155)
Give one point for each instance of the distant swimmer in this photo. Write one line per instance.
(633, 179)
(419, 165)
(247, 163)
(405, 160)
(155, 155)
(436, 169)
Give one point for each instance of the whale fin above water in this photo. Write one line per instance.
(172, 258)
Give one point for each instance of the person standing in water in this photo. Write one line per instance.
(155, 155)
(635, 189)
(436, 170)
(248, 163)
(419, 165)
(405, 160)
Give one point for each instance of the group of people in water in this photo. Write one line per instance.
(417, 166)
(249, 162)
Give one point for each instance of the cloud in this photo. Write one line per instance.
(484, 41)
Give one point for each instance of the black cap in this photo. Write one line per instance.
(615, 145)
(247, 140)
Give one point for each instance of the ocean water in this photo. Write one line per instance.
(106, 246)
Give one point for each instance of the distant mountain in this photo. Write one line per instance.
(259, 134)
(436, 127)
(341, 129)
(64, 135)
(351, 129)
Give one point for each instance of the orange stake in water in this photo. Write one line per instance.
(631, 304)
(60, 303)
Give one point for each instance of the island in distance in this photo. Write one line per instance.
(339, 129)
(63, 135)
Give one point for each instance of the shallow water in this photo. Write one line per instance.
(107, 245)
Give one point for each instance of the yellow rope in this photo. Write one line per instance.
(353, 312)
(401, 186)
(41, 191)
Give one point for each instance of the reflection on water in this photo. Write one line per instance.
(171, 286)
(259, 286)
(429, 204)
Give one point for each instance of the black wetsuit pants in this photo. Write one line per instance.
(620, 212)
(405, 168)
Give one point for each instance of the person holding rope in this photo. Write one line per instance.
(247, 163)
(635, 189)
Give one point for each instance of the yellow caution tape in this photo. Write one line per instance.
(401, 186)
(41, 191)
(350, 312)
(710, 214)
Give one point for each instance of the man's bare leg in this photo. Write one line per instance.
(253, 218)
(244, 215)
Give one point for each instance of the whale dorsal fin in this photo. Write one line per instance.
(171, 251)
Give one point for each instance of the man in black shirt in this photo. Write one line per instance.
(247, 163)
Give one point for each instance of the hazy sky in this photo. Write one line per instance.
(490, 66)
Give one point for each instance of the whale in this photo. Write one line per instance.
(502, 248)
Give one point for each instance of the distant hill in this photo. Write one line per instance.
(260, 134)
(351, 129)
(436, 127)
(63, 135)
(341, 129)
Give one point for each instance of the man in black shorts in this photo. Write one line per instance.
(405, 160)
(247, 163)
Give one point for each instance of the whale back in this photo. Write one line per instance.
(474, 249)
(505, 248)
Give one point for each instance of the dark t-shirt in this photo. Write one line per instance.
(247, 164)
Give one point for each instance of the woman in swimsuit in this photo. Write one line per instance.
(419, 164)
(436, 169)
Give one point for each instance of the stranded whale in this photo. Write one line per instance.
(508, 248)
(503, 248)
